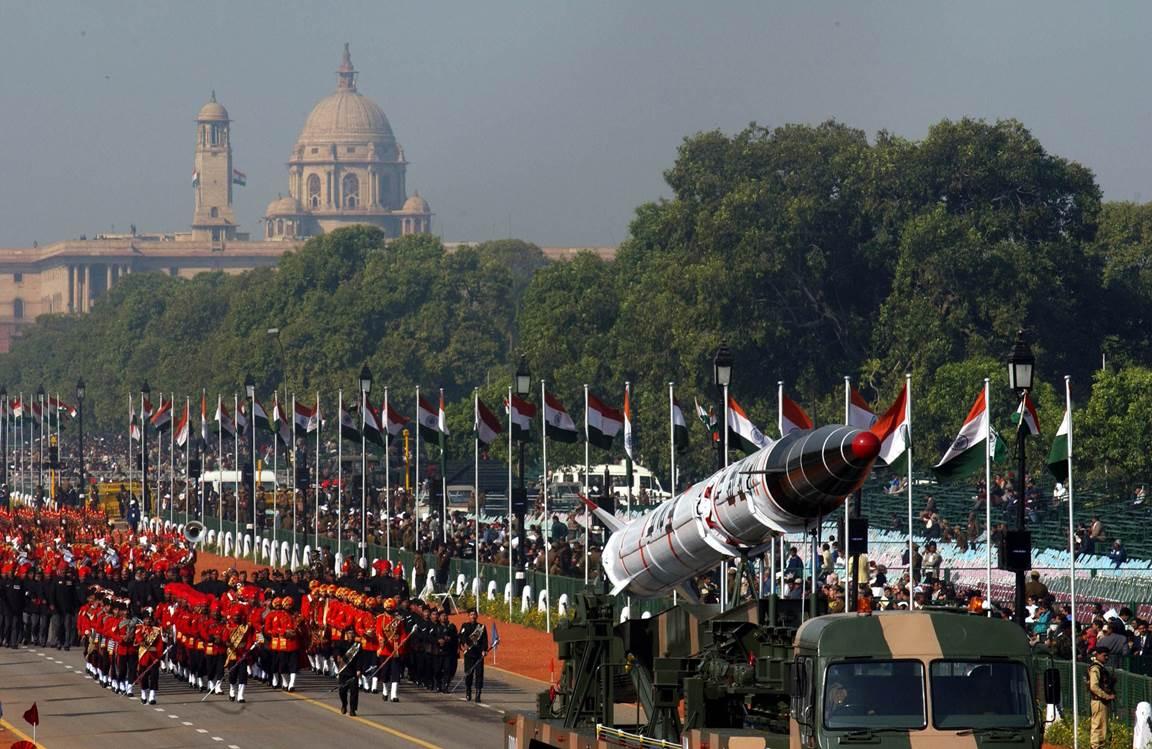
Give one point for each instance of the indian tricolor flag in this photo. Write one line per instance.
(223, 418)
(860, 414)
(204, 415)
(1027, 411)
(162, 419)
(629, 436)
(892, 431)
(742, 431)
(392, 421)
(487, 424)
(792, 416)
(679, 425)
(348, 428)
(557, 423)
(1061, 448)
(520, 416)
(976, 438)
(182, 429)
(427, 420)
(601, 423)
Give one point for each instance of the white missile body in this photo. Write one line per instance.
(782, 488)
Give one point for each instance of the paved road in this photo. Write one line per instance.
(76, 712)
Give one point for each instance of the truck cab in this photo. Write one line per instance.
(921, 678)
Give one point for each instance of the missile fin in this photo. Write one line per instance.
(688, 593)
(612, 522)
(619, 587)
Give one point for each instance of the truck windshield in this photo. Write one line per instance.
(980, 694)
(874, 694)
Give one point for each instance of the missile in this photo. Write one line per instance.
(783, 488)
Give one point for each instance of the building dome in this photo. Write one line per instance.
(346, 116)
(416, 204)
(283, 206)
(212, 111)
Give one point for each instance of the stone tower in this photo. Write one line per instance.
(212, 176)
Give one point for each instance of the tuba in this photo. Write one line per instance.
(194, 532)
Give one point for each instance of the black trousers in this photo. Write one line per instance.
(238, 673)
(350, 689)
(474, 672)
(151, 677)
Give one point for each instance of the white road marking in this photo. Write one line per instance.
(217, 738)
(158, 709)
(173, 717)
(186, 722)
(233, 746)
(201, 730)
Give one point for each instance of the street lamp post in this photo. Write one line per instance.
(1021, 366)
(365, 387)
(145, 392)
(523, 385)
(250, 391)
(40, 467)
(80, 392)
(721, 378)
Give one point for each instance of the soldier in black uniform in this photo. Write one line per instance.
(449, 638)
(66, 599)
(474, 643)
(16, 599)
(349, 680)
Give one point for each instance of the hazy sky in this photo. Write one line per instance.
(549, 120)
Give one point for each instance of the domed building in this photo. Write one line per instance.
(346, 169)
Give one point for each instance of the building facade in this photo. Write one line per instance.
(346, 168)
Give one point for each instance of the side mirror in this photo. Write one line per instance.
(794, 686)
(1052, 686)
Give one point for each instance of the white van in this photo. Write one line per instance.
(642, 479)
(230, 478)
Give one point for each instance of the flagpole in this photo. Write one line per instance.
(672, 452)
(988, 493)
(417, 492)
(386, 414)
(316, 486)
(587, 515)
(908, 439)
(849, 603)
(187, 461)
(627, 452)
(508, 532)
(544, 522)
(476, 481)
(362, 560)
(256, 478)
(340, 474)
(442, 428)
(130, 419)
(172, 455)
(1071, 562)
(275, 467)
(220, 465)
(235, 468)
(292, 483)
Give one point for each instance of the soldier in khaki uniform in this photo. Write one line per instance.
(1101, 691)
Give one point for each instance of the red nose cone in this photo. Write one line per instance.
(865, 446)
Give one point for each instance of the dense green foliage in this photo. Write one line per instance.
(814, 252)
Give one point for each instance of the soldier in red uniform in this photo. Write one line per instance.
(281, 629)
(365, 626)
(391, 637)
(239, 637)
(212, 633)
(149, 645)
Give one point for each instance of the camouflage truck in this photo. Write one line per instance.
(764, 676)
